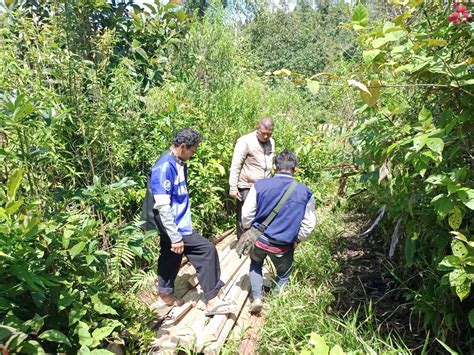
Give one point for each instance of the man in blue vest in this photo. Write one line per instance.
(172, 217)
(293, 224)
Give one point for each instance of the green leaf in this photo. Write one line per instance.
(313, 86)
(466, 196)
(464, 289)
(435, 144)
(3, 214)
(6, 331)
(471, 318)
(55, 336)
(455, 218)
(142, 53)
(370, 55)
(15, 341)
(66, 298)
(449, 262)
(437, 179)
(319, 344)
(469, 261)
(77, 249)
(84, 350)
(181, 15)
(100, 333)
(102, 308)
(410, 248)
(459, 236)
(77, 312)
(425, 115)
(457, 277)
(32, 229)
(35, 324)
(13, 206)
(221, 170)
(337, 350)
(419, 142)
(90, 259)
(459, 249)
(360, 16)
(85, 338)
(32, 347)
(14, 183)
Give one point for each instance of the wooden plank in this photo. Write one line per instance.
(177, 313)
(248, 346)
(187, 330)
(238, 286)
(218, 238)
(243, 322)
(189, 322)
(229, 323)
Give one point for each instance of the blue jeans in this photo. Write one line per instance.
(283, 264)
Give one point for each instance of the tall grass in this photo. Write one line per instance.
(305, 305)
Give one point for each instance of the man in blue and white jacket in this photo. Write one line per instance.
(172, 217)
(293, 224)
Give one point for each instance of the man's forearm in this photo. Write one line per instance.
(236, 165)
(249, 208)
(309, 221)
(167, 220)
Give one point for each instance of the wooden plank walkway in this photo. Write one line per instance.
(187, 328)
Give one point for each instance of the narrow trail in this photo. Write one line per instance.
(364, 280)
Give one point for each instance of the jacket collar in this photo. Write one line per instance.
(176, 159)
(287, 175)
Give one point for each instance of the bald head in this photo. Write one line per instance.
(265, 129)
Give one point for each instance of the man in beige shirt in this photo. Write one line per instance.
(252, 161)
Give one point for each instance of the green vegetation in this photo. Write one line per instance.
(303, 41)
(91, 93)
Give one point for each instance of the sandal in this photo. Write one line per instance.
(225, 307)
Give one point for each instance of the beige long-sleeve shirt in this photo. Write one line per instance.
(252, 161)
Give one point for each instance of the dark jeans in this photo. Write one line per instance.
(283, 264)
(240, 228)
(202, 255)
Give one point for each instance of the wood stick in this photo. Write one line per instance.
(218, 238)
(229, 323)
(239, 286)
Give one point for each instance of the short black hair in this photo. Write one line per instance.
(286, 160)
(266, 122)
(187, 136)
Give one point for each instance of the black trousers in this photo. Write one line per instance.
(240, 228)
(203, 257)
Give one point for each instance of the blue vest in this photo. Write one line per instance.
(285, 226)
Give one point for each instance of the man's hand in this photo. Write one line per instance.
(178, 247)
(235, 194)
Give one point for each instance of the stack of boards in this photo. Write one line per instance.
(187, 328)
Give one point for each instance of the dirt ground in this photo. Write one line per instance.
(364, 277)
